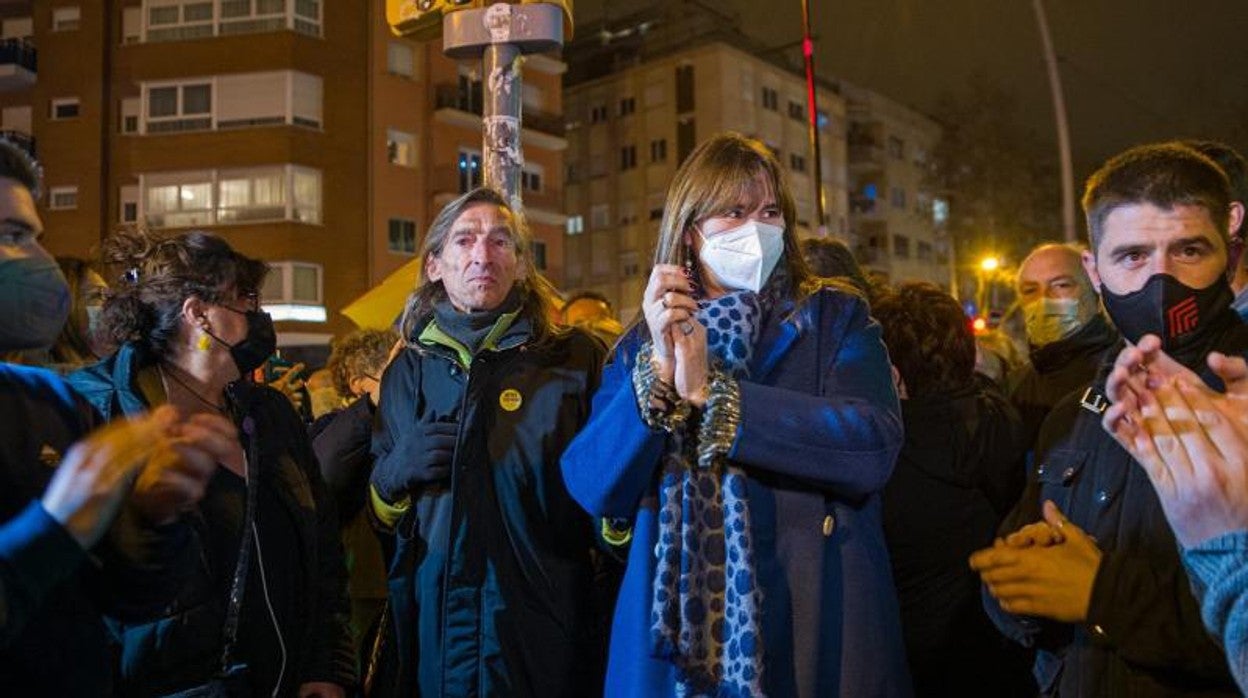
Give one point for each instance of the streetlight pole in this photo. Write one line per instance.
(812, 113)
(1063, 133)
(499, 35)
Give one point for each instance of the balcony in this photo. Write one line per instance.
(457, 106)
(863, 205)
(18, 64)
(21, 139)
(866, 155)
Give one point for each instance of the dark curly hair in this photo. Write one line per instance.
(156, 274)
(359, 353)
(928, 337)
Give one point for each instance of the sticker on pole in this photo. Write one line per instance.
(497, 20)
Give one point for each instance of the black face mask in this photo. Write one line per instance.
(1182, 316)
(259, 344)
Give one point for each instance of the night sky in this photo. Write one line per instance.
(1133, 70)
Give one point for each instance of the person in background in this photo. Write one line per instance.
(81, 342)
(1066, 333)
(592, 312)
(832, 259)
(960, 471)
(745, 425)
(1236, 170)
(63, 486)
(491, 583)
(325, 398)
(342, 440)
(186, 318)
(1110, 610)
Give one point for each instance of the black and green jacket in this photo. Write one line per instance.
(491, 584)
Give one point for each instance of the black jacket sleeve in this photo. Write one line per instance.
(36, 554)
(1143, 607)
(331, 656)
(342, 442)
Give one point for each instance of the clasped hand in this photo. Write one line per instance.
(678, 337)
(1044, 569)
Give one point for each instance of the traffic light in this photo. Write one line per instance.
(422, 19)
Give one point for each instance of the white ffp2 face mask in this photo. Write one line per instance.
(743, 258)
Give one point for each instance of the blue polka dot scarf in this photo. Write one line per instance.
(706, 610)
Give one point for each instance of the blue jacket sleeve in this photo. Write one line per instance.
(611, 461)
(36, 554)
(1219, 572)
(845, 439)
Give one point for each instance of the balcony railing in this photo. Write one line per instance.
(866, 153)
(20, 52)
(450, 96)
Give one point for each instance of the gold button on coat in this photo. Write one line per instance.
(829, 525)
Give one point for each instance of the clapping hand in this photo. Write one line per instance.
(1191, 441)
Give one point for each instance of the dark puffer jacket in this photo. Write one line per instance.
(1143, 636)
(491, 585)
(304, 578)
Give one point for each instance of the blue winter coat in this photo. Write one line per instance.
(819, 434)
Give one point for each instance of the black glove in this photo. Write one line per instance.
(421, 455)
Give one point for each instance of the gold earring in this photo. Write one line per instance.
(204, 342)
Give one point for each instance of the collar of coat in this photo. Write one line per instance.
(509, 331)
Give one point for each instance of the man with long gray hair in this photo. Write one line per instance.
(491, 583)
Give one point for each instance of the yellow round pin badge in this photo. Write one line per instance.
(510, 400)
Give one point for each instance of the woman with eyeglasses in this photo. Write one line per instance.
(264, 604)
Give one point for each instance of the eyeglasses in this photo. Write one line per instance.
(250, 300)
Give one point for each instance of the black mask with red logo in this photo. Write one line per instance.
(1185, 318)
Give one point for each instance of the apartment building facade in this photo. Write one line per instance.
(896, 220)
(302, 131)
(634, 117)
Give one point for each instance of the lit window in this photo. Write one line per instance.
(180, 20)
(575, 225)
(400, 59)
(400, 148)
(66, 18)
(293, 292)
(62, 198)
(274, 193)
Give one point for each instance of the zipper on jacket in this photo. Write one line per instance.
(446, 569)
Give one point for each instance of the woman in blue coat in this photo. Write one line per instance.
(745, 427)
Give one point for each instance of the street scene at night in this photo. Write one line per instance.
(623, 348)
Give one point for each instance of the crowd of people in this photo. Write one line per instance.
(782, 478)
